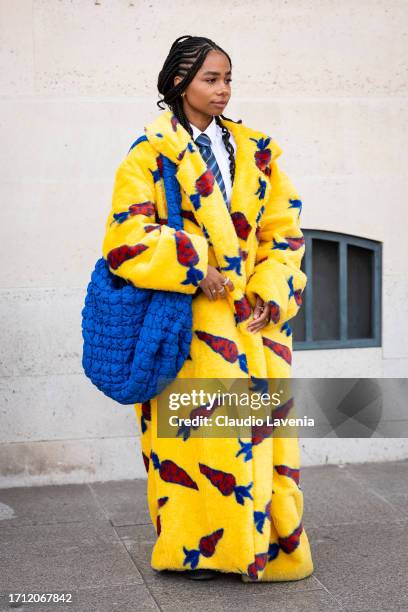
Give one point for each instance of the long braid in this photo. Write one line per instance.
(185, 58)
(228, 146)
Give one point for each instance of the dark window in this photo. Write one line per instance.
(342, 300)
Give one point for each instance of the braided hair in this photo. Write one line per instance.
(185, 58)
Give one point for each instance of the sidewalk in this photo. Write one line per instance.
(95, 541)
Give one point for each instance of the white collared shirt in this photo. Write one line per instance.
(214, 132)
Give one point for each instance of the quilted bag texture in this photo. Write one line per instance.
(135, 340)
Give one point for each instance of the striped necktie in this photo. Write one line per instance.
(206, 151)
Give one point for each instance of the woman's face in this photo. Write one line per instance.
(210, 90)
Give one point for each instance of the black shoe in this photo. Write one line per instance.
(202, 574)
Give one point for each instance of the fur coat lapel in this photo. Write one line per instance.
(227, 231)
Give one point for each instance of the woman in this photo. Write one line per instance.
(238, 506)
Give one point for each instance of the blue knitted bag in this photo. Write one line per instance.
(136, 339)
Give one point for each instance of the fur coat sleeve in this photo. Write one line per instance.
(148, 254)
(277, 277)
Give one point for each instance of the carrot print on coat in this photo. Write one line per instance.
(184, 430)
(173, 473)
(146, 415)
(291, 542)
(260, 192)
(204, 187)
(260, 517)
(279, 349)
(296, 204)
(224, 347)
(263, 155)
(275, 311)
(206, 548)
(152, 226)
(234, 263)
(226, 483)
(117, 256)
(261, 432)
(242, 309)
(144, 208)
(296, 294)
(295, 243)
(160, 503)
(285, 470)
(242, 227)
(188, 214)
(188, 256)
(261, 560)
(146, 461)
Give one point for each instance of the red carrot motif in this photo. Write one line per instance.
(205, 183)
(291, 542)
(171, 472)
(242, 227)
(188, 214)
(145, 208)
(226, 483)
(279, 349)
(242, 309)
(151, 227)
(295, 243)
(206, 548)
(146, 461)
(264, 155)
(120, 254)
(162, 500)
(257, 565)
(159, 162)
(146, 415)
(224, 347)
(285, 470)
(275, 311)
(186, 253)
(298, 297)
(184, 430)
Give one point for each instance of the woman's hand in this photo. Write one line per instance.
(261, 315)
(214, 284)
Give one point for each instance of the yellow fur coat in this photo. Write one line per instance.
(224, 504)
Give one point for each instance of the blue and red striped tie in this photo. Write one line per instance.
(204, 144)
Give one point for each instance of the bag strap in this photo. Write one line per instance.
(173, 193)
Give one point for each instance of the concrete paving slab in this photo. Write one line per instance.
(124, 502)
(64, 556)
(48, 504)
(363, 565)
(332, 496)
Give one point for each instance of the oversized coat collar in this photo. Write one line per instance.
(250, 190)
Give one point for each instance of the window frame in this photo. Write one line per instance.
(343, 240)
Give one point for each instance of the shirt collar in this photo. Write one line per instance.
(211, 131)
